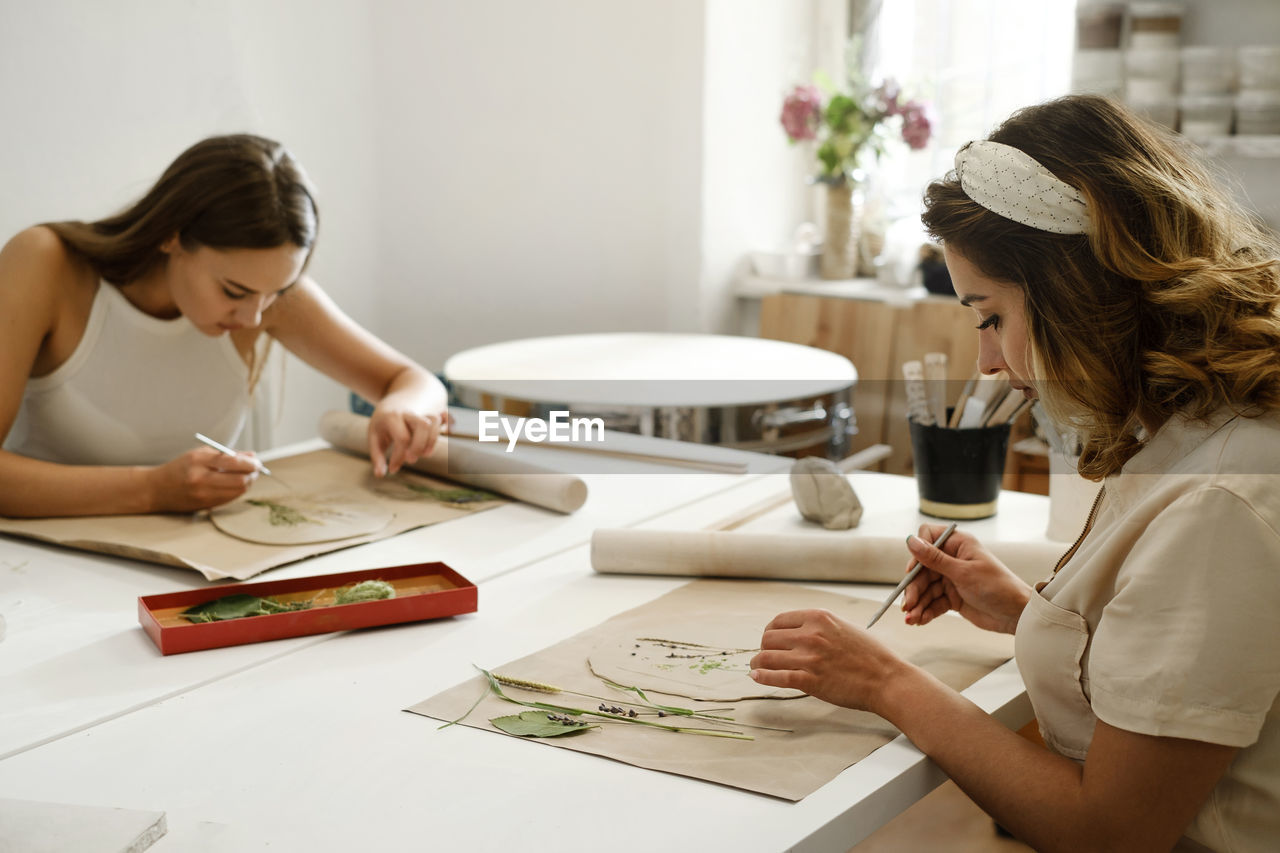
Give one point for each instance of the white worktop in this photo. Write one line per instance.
(302, 745)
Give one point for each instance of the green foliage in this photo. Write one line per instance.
(541, 724)
(614, 716)
(239, 606)
(281, 514)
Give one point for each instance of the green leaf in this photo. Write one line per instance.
(539, 724)
(237, 607)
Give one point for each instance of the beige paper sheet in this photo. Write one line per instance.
(191, 541)
(825, 739)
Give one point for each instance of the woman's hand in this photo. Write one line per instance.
(825, 656)
(399, 437)
(964, 577)
(199, 479)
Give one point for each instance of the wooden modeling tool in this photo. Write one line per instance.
(935, 383)
(1023, 407)
(1004, 411)
(917, 397)
(911, 575)
(965, 394)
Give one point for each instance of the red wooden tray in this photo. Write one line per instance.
(423, 591)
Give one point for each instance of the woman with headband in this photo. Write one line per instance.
(1116, 281)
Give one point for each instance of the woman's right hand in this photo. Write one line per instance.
(199, 479)
(964, 577)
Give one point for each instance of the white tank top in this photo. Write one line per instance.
(134, 392)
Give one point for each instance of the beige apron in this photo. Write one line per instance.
(1049, 645)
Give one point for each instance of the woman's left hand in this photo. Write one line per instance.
(398, 437)
(827, 657)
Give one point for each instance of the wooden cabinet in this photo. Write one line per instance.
(878, 336)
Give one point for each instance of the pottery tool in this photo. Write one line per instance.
(917, 397)
(1023, 407)
(911, 575)
(262, 469)
(935, 384)
(1004, 411)
(965, 394)
(979, 405)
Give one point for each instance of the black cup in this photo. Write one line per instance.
(958, 471)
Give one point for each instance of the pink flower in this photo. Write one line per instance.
(887, 95)
(916, 125)
(801, 111)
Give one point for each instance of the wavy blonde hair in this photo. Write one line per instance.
(1169, 304)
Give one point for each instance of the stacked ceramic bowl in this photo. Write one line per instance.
(1152, 61)
(1208, 80)
(1133, 52)
(1099, 62)
(1257, 104)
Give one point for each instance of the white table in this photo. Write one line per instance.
(301, 745)
(744, 392)
(74, 655)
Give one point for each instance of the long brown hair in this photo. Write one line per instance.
(225, 192)
(1169, 304)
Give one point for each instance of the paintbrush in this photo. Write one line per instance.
(911, 575)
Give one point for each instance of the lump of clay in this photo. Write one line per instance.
(823, 494)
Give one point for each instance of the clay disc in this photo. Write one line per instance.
(301, 519)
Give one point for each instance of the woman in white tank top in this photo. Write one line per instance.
(121, 338)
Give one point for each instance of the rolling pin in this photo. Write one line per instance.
(464, 462)
(785, 556)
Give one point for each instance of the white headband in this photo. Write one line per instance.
(1011, 183)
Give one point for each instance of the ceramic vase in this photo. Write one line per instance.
(843, 231)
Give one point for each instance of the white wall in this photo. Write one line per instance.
(486, 170)
(98, 97)
(753, 184)
(538, 167)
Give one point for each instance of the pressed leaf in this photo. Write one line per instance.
(497, 691)
(281, 514)
(239, 606)
(538, 724)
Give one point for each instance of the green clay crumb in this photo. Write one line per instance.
(364, 591)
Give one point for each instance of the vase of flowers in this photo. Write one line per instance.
(847, 124)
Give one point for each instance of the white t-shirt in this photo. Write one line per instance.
(1166, 620)
(134, 392)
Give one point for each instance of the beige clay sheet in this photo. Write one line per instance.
(824, 739)
(192, 541)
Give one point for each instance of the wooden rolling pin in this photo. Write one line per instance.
(465, 462)
(785, 556)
